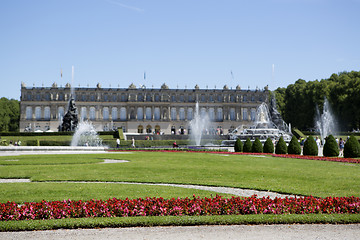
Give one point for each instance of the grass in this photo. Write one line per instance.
(177, 221)
(293, 176)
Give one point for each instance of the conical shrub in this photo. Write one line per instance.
(247, 145)
(257, 146)
(310, 147)
(238, 147)
(352, 148)
(294, 146)
(281, 147)
(268, 146)
(331, 148)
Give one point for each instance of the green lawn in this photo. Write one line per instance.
(294, 176)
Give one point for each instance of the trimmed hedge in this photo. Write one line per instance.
(352, 148)
(257, 146)
(268, 146)
(310, 147)
(331, 148)
(238, 147)
(294, 146)
(281, 147)
(247, 145)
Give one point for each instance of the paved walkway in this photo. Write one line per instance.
(271, 232)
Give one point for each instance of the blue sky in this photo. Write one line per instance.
(178, 42)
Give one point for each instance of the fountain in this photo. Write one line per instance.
(325, 122)
(268, 124)
(86, 135)
(198, 124)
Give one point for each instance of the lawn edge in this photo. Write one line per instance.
(152, 221)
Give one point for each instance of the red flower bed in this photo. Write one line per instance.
(177, 207)
(332, 159)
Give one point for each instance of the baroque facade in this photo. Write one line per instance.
(140, 110)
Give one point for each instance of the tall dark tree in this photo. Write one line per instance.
(9, 115)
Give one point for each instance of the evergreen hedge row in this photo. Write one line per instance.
(268, 146)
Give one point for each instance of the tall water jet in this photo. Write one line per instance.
(86, 135)
(325, 122)
(198, 125)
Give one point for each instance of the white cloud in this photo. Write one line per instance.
(115, 2)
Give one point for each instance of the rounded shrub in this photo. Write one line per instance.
(352, 148)
(281, 147)
(268, 146)
(247, 145)
(310, 147)
(257, 146)
(331, 148)
(294, 146)
(238, 147)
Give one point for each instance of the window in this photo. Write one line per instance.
(29, 97)
(173, 98)
(232, 114)
(38, 97)
(140, 113)
(106, 113)
(61, 112)
(148, 113)
(219, 98)
(182, 99)
(47, 113)
(189, 114)
(114, 113)
(157, 98)
(140, 129)
(114, 97)
(47, 96)
(219, 115)
(212, 114)
(123, 97)
(92, 97)
(244, 114)
(244, 98)
(203, 112)
(123, 114)
(253, 114)
(253, 98)
(157, 129)
(211, 98)
(202, 98)
(92, 113)
(140, 97)
(148, 97)
(28, 113)
(83, 113)
(190, 98)
(232, 98)
(157, 113)
(83, 97)
(106, 97)
(182, 114)
(61, 97)
(38, 113)
(173, 114)
(148, 129)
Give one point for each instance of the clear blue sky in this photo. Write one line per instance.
(178, 42)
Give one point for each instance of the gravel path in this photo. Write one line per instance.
(271, 232)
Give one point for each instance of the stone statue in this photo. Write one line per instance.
(70, 120)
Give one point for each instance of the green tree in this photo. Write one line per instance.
(281, 147)
(352, 148)
(247, 145)
(238, 147)
(257, 146)
(9, 115)
(294, 146)
(331, 148)
(268, 146)
(310, 147)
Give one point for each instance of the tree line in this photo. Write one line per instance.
(9, 115)
(297, 102)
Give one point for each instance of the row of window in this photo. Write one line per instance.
(140, 97)
(150, 114)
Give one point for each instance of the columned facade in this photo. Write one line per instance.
(140, 110)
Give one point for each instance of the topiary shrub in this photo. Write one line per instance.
(294, 146)
(238, 147)
(247, 145)
(257, 146)
(352, 148)
(268, 146)
(281, 147)
(331, 148)
(310, 147)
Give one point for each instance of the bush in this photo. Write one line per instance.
(310, 147)
(238, 147)
(281, 147)
(294, 146)
(247, 145)
(352, 148)
(331, 148)
(268, 146)
(257, 146)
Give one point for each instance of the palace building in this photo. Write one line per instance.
(140, 110)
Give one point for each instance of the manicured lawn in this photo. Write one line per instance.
(294, 176)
